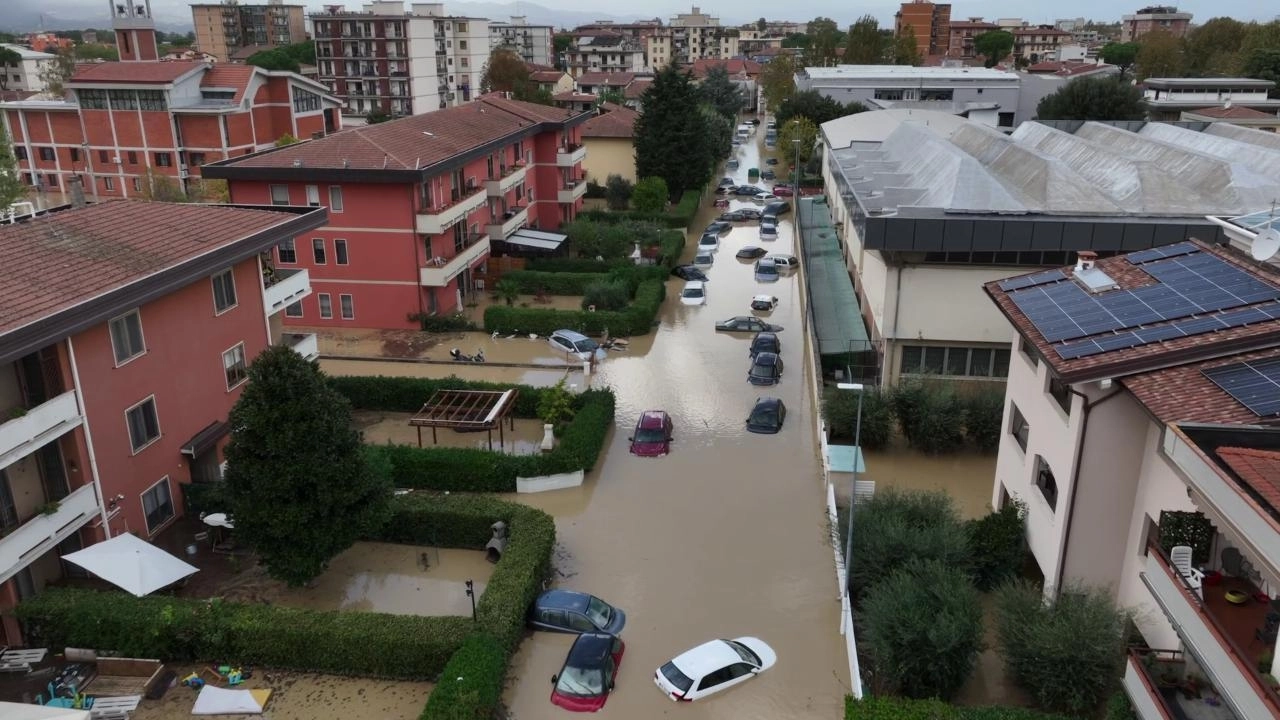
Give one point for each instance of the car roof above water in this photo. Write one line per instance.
(652, 419)
(564, 600)
(590, 649)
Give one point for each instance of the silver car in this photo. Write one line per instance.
(574, 343)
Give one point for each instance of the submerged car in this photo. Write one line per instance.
(766, 270)
(766, 369)
(783, 190)
(767, 416)
(768, 175)
(709, 242)
(575, 612)
(587, 677)
(776, 208)
(765, 342)
(718, 227)
(704, 258)
(694, 293)
(689, 272)
(653, 434)
(751, 252)
(749, 213)
(764, 303)
(574, 343)
(772, 160)
(712, 667)
(727, 182)
(768, 230)
(785, 262)
(765, 196)
(747, 190)
(746, 323)
(732, 216)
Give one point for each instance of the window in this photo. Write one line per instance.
(304, 101)
(234, 365)
(1029, 351)
(108, 184)
(152, 100)
(224, 291)
(144, 424)
(157, 505)
(126, 337)
(75, 155)
(164, 159)
(1045, 481)
(888, 95)
(313, 196)
(317, 250)
(340, 252)
(133, 157)
(294, 310)
(326, 306)
(197, 158)
(335, 198)
(1060, 392)
(287, 251)
(1018, 426)
(92, 100)
(123, 99)
(103, 157)
(977, 362)
(279, 194)
(46, 153)
(20, 153)
(348, 307)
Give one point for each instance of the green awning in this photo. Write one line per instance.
(837, 316)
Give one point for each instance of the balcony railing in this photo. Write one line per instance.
(305, 344)
(571, 191)
(1161, 687)
(1145, 697)
(41, 533)
(285, 286)
(570, 155)
(439, 274)
(26, 431)
(513, 176)
(437, 221)
(512, 221)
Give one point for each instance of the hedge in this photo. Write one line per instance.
(678, 216)
(552, 283)
(574, 265)
(637, 319)
(456, 322)
(407, 394)
(894, 708)
(471, 684)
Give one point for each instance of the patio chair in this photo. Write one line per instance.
(1180, 557)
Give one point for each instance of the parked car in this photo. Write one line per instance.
(768, 175)
(749, 213)
(574, 343)
(764, 303)
(772, 160)
(727, 182)
(653, 434)
(590, 669)
(765, 342)
(747, 190)
(575, 612)
(731, 165)
(746, 323)
(779, 207)
(765, 196)
(721, 202)
(728, 190)
(709, 242)
(766, 369)
(717, 227)
(689, 272)
(694, 293)
(783, 190)
(785, 262)
(767, 416)
(732, 216)
(768, 230)
(704, 259)
(751, 252)
(766, 271)
(712, 667)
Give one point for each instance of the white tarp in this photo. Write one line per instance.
(132, 564)
(27, 711)
(220, 701)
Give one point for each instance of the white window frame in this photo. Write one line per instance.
(235, 300)
(319, 253)
(143, 503)
(313, 196)
(325, 299)
(271, 191)
(293, 248)
(335, 198)
(115, 354)
(128, 428)
(108, 184)
(345, 301)
(290, 312)
(244, 363)
(341, 255)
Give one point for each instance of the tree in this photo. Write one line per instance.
(720, 92)
(11, 187)
(650, 195)
(286, 139)
(1122, 55)
(719, 131)
(802, 129)
(1214, 47)
(376, 115)
(864, 45)
(8, 56)
(1093, 98)
(670, 141)
(157, 187)
(906, 51)
(617, 192)
(297, 509)
(1159, 55)
(1264, 64)
(897, 527)
(503, 72)
(796, 40)
(817, 107)
(611, 95)
(533, 93)
(560, 43)
(57, 72)
(97, 51)
(840, 411)
(994, 46)
(998, 545)
(304, 52)
(778, 80)
(825, 37)
(274, 59)
(761, 24)
(208, 191)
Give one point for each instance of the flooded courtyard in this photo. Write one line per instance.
(379, 427)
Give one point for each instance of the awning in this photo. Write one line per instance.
(27, 711)
(131, 564)
(206, 438)
(538, 239)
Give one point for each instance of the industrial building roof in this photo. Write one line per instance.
(933, 73)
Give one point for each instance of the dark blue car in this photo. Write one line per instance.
(767, 416)
(575, 612)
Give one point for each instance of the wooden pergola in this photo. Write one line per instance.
(467, 411)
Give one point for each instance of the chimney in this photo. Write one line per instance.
(1085, 260)
(77, 192)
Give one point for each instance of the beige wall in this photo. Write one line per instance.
(609, 156)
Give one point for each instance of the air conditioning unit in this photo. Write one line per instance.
(115, 159)
(183, 174)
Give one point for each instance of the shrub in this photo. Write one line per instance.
(931, 415)
(606, 295)
(552, 283)
(671, 243)
(684, 211)
(840, 411)
(574, 265)
(1082, 630)
(922, 627)
(896, 708)
(894, 528)
(984, 418)
(556, 405)
(471, 684)
(637, 319)
(617, 192)
(595, 191)
(997, 544)
(456, 322)
(1119, 707)
(650, 195)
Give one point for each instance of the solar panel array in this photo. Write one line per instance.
(1027, 281)
(1256, 385)
(1199, 290)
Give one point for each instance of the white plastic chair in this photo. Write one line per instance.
(1180, 556)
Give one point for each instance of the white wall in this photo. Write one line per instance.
(947, 303)
(422, 65)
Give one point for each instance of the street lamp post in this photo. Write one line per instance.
(853, 486)
(796, 180)
(471, 593)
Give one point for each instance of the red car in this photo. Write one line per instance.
(722, 203)
(653, 434)
(783, 190)
(585, 681)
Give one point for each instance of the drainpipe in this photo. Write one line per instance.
(417, 245)
(1086, 407)
(88, 441)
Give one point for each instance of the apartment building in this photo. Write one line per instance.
(1147, 457)
(125, 342)
(384, 59)
(223, 28)
(124, 124)
(48, 42)
(929, 21)
(1167, 98)
(690, 37)
(929, 206)
(604, 53)
(1035, 44)
(1165, 18)
(416, 205)
(533, 43)
(961, 34)
(24, 76)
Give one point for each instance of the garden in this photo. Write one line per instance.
(644, 201)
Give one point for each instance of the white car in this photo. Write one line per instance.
(712, 667)
(694, 293)
(709, 243)
(785, 262)
(574, 343)
(704, 259)
(768, 231)
(766, 197)
(764, 303)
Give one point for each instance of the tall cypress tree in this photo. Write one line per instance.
(671, 137)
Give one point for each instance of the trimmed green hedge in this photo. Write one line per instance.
(637, 319)
(471, 685)
(552, 283)
(573, 265)
(407, 394)
(678, 216)
(894, 708)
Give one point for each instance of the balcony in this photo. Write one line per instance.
(1215, 631)
(570, 155)
(514, 176)
(305, 344)
(512, 221)
(437, 221)
(572, 190)
(25, 432)
(1160, 687)
(41, 533)
(285, 287)
(441, 271)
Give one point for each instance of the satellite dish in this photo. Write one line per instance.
(1266, 244)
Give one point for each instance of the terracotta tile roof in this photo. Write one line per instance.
(67, 258)
(535, 67)
(571, 96)
(973, 26)
(1130, 361)
(1183, 394)
(546, 76)
(413, 142)
(242, 54)
(610, 79)
(229, 75)
(11, 95)
(1235, 112)
(619, 122)
(735, 66)
(156, 72)
(1259, 469)
(636, 89)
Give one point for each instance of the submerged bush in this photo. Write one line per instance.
(840, 411)
(894, 528)
(998, 544)
(606, 295)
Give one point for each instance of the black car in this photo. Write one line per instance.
(767, 416)
(746, 190)
(768, 175)
(749, 213)
(717, 227)
(727, 182)
(774, 209)
(689, 272)
(726, 189)
(766, 369)
(575, 612)
(746, 323)
(765, 342)
(733, 216)
(751, 252)
(771, 161)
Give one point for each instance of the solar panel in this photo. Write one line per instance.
(1159, 333)
(1256, 385)
(1160, 253)
(1027, 281)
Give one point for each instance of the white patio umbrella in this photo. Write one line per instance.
(24, 711)
(132, 564)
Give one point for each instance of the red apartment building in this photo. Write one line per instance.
(416, 205)
(122, 120)
(125, 331)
